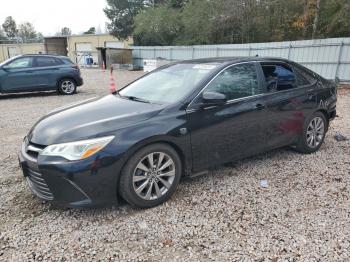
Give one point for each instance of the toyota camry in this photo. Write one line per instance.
(176, 121)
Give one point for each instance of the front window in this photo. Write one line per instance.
(170, 84)
(236, 82)
(20, 63)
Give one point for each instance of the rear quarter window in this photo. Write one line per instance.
(304, 75)
(67, 61)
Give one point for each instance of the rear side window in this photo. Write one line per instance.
(47, 61)
(278, 77)
(236, 82)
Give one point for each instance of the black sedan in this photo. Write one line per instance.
(179, 120)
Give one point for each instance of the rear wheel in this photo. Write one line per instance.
(150, 176)
(313, 135)
(67, 86)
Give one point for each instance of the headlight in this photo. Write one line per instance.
(77, 150)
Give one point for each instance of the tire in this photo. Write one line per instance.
(67, 86)
(314, 132)
(144, 187)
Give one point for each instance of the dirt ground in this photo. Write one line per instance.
(304, 214)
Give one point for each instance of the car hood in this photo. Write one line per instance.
(89, 119)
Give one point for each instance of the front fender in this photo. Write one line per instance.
(156, 130)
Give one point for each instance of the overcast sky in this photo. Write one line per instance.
(50, 16)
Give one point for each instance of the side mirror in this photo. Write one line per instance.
(213, 98)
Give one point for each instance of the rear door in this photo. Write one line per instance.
(286, 102)
(47, 70)
(18, 75)
(226, 132)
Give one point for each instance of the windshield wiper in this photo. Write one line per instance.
(134, 98)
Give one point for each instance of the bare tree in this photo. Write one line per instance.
(315, 23)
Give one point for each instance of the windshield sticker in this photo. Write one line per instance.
(204, 66)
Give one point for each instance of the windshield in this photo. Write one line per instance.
(170, 84)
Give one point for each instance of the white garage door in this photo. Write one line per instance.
(83, 47)
(114, 44)
(85, 53)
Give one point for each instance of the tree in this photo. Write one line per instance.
(334, 19)
(39, 36)
(227, 21)
(66, 31)
(10, 27)
(157, 26)
(26, 31)
(91, 31)
(198, 20)
(121, 14)
(169, 3)
(2, 35)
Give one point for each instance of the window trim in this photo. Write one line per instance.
(254, 63)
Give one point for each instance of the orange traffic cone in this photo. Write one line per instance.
(112, 86)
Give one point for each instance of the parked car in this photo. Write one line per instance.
(28, 73)
(179, 120)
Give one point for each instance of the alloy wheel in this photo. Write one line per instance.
(315, 132)
(67, 87)
(154, 176)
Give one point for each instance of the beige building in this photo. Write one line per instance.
(82, 49)
(9, 50)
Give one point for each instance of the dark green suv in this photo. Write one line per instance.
(27, 73)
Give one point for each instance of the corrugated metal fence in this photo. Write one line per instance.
(328, 57)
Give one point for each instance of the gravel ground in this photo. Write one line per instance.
(304, 213)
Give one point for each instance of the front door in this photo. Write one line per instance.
(234, 130)
(18, 75)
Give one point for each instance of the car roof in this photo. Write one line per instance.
(237, 59)
(45, 55)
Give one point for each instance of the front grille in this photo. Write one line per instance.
(38, 185)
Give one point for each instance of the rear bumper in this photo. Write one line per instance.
(332, 114)
(88, 183)
(79, 81)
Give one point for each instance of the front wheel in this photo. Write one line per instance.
(150, 176)
(313, 135)
(67, 87)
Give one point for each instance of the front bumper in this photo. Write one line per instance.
(85, 183)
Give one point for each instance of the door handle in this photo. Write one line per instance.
(259, 106)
